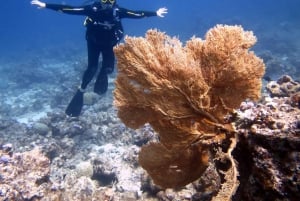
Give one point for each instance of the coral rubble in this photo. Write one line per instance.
(184, 93)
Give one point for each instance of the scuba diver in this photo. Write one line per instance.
(103, 31)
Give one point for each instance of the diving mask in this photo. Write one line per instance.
(108, 1)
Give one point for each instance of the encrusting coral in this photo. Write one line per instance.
(184, 93)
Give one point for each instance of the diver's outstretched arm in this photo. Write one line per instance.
(161, 12)
(38, 3)
(74, 10)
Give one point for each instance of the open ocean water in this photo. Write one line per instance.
(27, 31)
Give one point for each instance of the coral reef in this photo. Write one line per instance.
(285, 87)
(184, 93)
(268, 150)
(23, 176)
(85, 151)
(27, 176)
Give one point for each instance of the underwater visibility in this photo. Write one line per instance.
(150, 100)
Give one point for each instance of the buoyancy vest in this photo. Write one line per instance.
(106, 20)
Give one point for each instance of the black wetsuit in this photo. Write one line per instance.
(104, 31)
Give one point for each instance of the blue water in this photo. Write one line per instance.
(26, 30)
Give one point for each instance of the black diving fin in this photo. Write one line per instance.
(75, 106)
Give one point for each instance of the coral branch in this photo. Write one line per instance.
(184, 92)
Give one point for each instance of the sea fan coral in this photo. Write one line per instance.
(184, 92)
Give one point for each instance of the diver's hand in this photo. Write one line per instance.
(38, 3)
(161, 12)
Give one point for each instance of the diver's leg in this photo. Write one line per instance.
(93, 59)
(101, 84)
(108, 61)
(75, 106)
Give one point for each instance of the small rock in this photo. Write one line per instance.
(7, 147)
(253, 128)
(279, 125)
(84, 168)
(41, 128)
